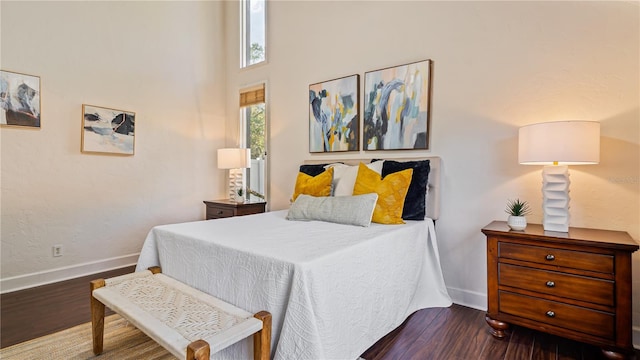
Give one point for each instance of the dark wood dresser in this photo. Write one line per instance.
(217, 209)
(575, 285)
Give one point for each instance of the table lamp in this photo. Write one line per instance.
(234, 158)
(556, 145)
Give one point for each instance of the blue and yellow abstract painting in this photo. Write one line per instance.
(333, 115)
(396, 107)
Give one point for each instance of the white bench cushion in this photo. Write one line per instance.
(174, 314)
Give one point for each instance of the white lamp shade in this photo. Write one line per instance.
(560, 143)
(234, 158)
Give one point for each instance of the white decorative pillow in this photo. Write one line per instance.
(348, 210)
(344, 177)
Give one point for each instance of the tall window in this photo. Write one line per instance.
(253, 134)
(253, 32)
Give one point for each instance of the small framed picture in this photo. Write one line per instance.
(333, 115)
(19, 99)
(107, 131)
(397, 107)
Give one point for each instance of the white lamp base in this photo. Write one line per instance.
(555, 202)
(235, 183)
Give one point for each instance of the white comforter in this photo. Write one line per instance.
(333, 290)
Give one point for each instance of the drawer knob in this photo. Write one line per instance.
(219, 212)
(550, 257)
(551, 284)
(551, 314)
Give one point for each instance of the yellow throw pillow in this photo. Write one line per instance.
(391, 193)
(319, 185)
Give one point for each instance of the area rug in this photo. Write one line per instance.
(123, 341)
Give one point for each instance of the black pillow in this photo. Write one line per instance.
(414, 202)
(313, 170)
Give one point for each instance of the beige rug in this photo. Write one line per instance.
(122, 341)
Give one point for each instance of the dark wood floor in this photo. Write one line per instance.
(461, 333)
(455, 333)
(31, 313)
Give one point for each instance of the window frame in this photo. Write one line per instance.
(245, 35)
(249, 96)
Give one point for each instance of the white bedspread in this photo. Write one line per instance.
(333, 290)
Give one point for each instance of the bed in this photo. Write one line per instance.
(333, 292)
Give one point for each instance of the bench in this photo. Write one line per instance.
(181, 319)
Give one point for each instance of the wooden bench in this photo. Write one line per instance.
(181, 319)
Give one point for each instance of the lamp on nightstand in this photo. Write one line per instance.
(556, 145)
(234, 159)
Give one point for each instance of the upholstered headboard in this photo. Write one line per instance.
(433, 197)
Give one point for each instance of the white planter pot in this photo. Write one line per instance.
(239, 199)
(517, 223)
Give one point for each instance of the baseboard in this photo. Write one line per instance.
(27, 281)
(472, 299)
(636, 337)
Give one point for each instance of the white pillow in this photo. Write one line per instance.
(344, 177)
(348, 210)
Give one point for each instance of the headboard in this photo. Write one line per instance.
(433, 197)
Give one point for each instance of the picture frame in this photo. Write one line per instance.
(19, 100)
(334, 116)
(107, 131)
(397, 107)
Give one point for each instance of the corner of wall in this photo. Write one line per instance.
(472, 299)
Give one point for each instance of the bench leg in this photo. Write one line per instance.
(198, 350)
(97, 318)
(262, 339)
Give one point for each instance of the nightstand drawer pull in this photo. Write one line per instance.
(220, 212)
(550, 257)
(550, 314)
(551, 284)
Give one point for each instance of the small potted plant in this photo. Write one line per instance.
(240, 196)
(517, 211)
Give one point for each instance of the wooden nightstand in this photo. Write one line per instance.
(575, 285)
(217, 209)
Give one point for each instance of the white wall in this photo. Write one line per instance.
(161, 60)
(497, 66)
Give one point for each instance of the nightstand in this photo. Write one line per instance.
(575, 285)
(217, 209)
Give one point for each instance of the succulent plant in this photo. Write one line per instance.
(517, 208)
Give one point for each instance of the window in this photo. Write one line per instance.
(253, 135)
(253, 32)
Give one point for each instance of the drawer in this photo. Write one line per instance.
(597, 323)
(581, 288)
(557, 257)
(250, 209)
(217, 212)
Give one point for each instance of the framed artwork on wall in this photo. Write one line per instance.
(107, 131)
(19, 99)
(333, 115)
(397, 107)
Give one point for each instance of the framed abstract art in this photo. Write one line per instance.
(397, 107)
(107, 131)
(19, 99)
(333, 115)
